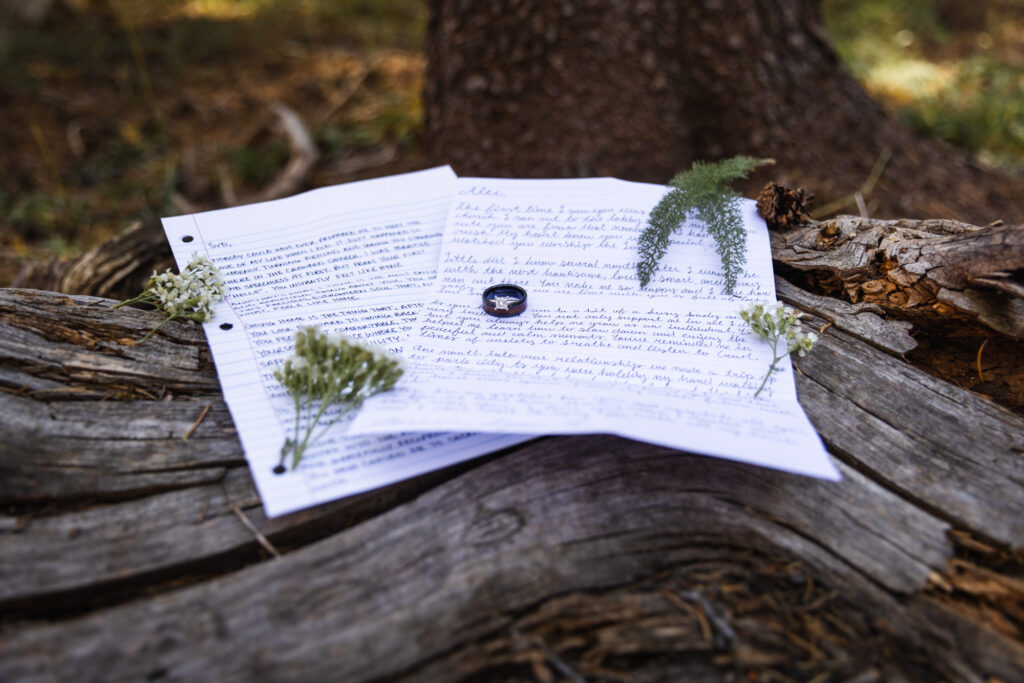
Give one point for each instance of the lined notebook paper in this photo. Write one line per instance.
(401, 262)
(356, 259)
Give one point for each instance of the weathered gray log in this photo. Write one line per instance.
(567, 559)
(89, 417)
(918, 268)
(960, 285)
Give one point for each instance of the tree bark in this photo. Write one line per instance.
(118, 268)
(639, 90)
(585, 558)
(960, 286)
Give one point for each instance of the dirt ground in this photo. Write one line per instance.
(114, 111)
(98, 134)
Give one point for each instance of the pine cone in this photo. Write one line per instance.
(783, 208)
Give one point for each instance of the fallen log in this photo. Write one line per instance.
(133, 552)
(958, 288)
(921, 270)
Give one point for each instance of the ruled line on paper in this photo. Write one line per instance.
(392, 228)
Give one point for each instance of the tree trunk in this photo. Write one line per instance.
(639, 90)
(135, 547)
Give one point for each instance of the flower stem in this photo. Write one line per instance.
(144, 298)
(165, 321)
(771, 368)
(298, 412)
(301, 448)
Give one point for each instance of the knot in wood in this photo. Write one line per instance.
(873, 287)
(898, 298)
(493, 526)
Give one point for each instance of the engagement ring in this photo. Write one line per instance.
(504, 300)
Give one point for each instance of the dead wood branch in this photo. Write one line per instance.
(118, 268)
(304, 156)
(921, 270)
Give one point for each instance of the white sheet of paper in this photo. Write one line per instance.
(355, 259)
(671, 364)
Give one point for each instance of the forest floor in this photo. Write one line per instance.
(116, 111)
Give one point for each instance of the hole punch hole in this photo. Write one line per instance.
(187, 238)
(226, 326)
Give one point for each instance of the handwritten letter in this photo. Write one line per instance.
(671, 364)
(356, 259)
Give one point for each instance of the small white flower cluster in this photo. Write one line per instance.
(329, 369)
(776, 323)
(335, 365)
(191, 294)
(772, 322)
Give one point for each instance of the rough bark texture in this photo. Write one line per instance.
(588, 558)
(118, 268)
(639, 90)
(921, 270)
(961, 286)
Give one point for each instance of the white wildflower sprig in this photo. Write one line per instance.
(328, 369)
(190, 295)
(776, 324)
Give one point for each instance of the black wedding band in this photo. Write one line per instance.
(504, 300)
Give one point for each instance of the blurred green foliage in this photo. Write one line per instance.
(257, 165)
(114, 108)
(951, 70)
(396, 118)
(195, 31)
(981, 110)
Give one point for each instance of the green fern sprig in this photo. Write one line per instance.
(704, 191)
